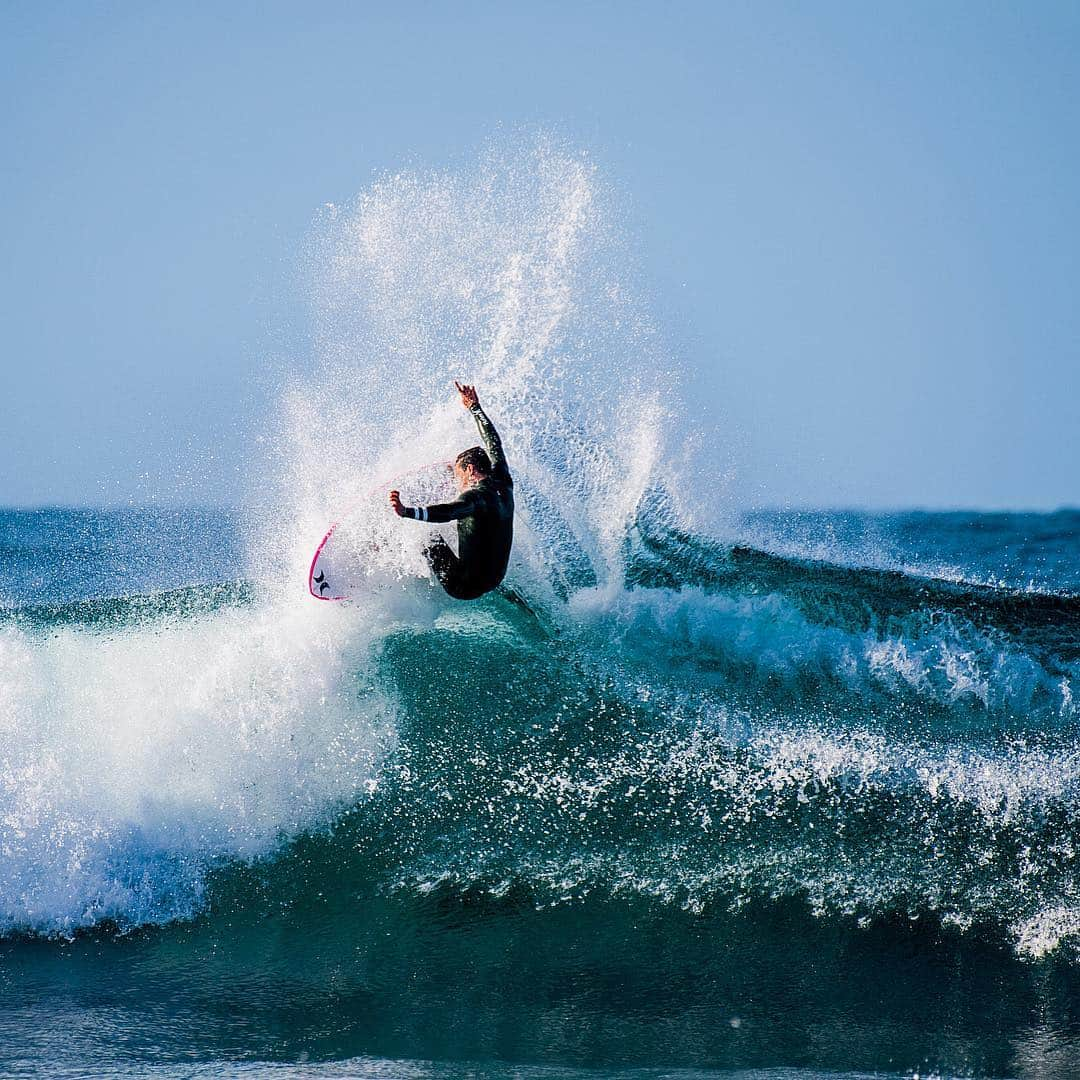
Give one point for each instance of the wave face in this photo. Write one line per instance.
(869, 743)
(872, 716)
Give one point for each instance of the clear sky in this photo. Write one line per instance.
(860, 223)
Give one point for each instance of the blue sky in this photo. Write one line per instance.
(859, 224)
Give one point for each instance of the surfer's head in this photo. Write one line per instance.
(471, 466)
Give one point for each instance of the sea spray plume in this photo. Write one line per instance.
(507, 275)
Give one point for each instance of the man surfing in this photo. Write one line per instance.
(484, 512)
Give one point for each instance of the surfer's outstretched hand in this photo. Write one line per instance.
(468, 395)
(395, 503)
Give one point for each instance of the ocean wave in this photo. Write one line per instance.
(706, 744)
(681, 717)
(852, 824)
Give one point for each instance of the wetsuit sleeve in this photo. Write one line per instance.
(439, 512)
(492, 443)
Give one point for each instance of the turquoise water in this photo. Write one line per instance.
(754, 811)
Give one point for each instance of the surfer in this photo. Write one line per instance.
(484, 512)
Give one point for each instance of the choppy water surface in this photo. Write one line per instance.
(777, 812)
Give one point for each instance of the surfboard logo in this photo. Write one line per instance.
(320, 580)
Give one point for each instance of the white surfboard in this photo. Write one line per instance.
(370, 542)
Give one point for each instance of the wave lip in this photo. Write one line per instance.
(791, 630)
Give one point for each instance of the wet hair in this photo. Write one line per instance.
(476, 458)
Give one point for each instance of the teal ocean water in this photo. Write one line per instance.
(708, 793)
(753, 811)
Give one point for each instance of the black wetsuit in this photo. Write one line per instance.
(485, 517)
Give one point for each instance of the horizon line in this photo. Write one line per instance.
(774, 508)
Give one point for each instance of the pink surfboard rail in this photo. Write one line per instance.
(314, 560)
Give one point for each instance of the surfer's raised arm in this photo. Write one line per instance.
(490, 437)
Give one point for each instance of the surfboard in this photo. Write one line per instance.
(369, 544)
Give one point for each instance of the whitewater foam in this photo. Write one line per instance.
(137, 760)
